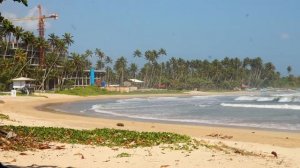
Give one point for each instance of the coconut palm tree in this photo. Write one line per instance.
(53, 39)
(137, 53)
(7, 31)
(20, 61)
(100, 54)
(28, 39)
(161, 52)
(133, 70)
(68, 39)
(289, 69)
(52, 60)
(120, 68)
(108, 61)
(18, 33)
(42, 45)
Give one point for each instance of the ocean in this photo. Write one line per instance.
(275, 110)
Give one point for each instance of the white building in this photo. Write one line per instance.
(19, 83)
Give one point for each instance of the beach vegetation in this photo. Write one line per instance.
(34, 137)
(86, 91)
(3, 116)
(31, 138)
(96, 91)
(123, 154)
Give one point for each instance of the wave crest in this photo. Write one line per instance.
(265, 106)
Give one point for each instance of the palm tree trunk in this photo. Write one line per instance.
(49, 70)
(160, 76)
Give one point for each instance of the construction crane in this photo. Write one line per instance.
(41, 29)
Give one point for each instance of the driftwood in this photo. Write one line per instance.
(7, 135)
(3, 133)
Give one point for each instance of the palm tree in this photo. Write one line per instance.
(42, 45)
(132, 70)
(137, 53)
(29, 40)
(150, 56)
(52, 59)
(7, 30)
(99, 64)
(103, 59)
(120, 67)
(289, 69)
(100, 54)
(87, 53)
(19, 31)
(19, 61)
(161, 52)
(68, 39)
(108, 60)
(53, 40)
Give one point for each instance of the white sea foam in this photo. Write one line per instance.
(130, 100)
(203, 105)
(297, 99)
(265, 99)
(163, 98)
(265, 106)
(285, 99)
(246, 98)
(97, 108)
(200, 97)
(82, 111)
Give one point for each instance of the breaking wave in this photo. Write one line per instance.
(265, 106)
(287, 98)
(271, 125)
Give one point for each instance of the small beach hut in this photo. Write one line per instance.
(19, 83)
(136, 82)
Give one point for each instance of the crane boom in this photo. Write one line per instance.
(54, 16)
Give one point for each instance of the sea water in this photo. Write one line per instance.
(277, 110)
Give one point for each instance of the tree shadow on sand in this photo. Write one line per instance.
(32, 166)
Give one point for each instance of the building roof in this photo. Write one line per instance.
(136, 81)
(96, 70)
(23, 79)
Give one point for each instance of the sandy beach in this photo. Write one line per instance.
(28, 111)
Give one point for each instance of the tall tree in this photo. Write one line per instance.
(19, 32)
(120, 67)
(133, 68)
(289, 69)
(7, 31)
(137, 53)
(68, 39)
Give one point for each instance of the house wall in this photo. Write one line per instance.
(18, 84)
(121, 89)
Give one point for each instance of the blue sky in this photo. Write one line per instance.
(202, 29)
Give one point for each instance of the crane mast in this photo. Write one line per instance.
(41, 30)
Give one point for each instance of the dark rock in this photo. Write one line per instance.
(120, 124)
(274, 154)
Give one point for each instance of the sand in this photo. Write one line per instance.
(25, 110)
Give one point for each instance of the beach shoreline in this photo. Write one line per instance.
(32, 111)
(39, 109)
(51, 107)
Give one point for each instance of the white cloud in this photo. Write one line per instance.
(285, 36)
(27, 24)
